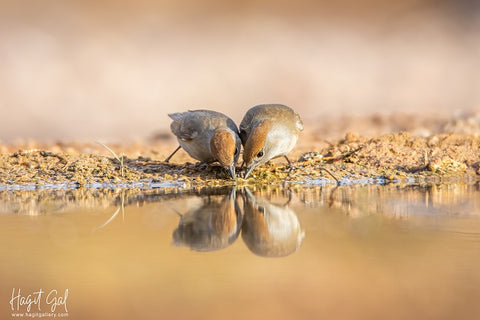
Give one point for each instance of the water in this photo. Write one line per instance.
(349, 252)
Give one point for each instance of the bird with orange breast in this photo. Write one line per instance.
(207, 136)
(268, 131)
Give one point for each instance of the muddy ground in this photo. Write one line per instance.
(382, 149)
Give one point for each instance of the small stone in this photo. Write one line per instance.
(351, 137)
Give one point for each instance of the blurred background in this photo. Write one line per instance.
(112, 70)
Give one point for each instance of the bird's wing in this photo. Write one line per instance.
(299, 123)
(245, 126)
(182, 128)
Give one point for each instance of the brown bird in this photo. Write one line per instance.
(268, 131)
(207, 136)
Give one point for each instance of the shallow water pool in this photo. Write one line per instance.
(348, 252)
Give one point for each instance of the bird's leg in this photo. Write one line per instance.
(170, 156)
(290, 164)
(290, 169)
(288, 160)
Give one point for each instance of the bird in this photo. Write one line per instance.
(207, 136)
(268, 131)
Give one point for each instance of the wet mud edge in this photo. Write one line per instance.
(354, 159)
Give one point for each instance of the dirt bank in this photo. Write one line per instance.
(415, 155)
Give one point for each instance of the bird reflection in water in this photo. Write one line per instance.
(268, 229)
(214, 225)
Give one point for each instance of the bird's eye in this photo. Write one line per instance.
(260, 154)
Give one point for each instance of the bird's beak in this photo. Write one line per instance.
(231, 171)
(248, 171)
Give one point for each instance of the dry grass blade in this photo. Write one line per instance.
(108, 221)
(120, 160)
(122, 207)
(331, 174)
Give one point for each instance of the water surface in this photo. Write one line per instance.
(349, 252)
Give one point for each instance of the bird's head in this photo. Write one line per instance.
(225, 146)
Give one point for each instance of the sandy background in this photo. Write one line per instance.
(112, 70)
